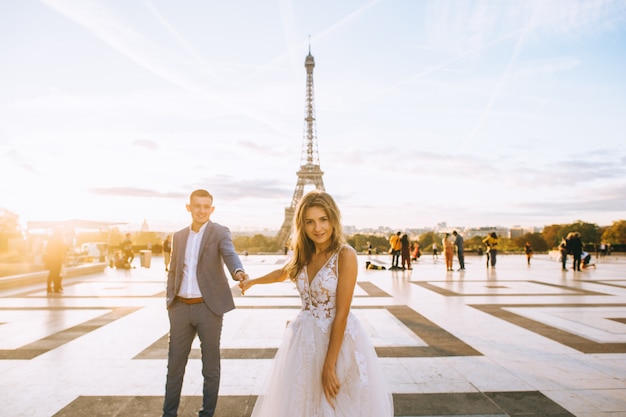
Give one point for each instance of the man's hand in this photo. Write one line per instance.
(240, 276)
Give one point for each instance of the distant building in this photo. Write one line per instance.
(349, 230)
(485, 230)
(517, 231)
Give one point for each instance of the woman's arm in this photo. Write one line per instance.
(346, 281)
(276, 275)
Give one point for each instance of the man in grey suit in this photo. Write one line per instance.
(198, 295)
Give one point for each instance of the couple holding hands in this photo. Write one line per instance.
(326, 365)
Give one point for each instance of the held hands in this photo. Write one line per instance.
(240, 276)
(245, 284)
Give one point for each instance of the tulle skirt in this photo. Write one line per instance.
(294, 386)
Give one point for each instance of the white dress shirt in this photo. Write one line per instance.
(189, 288)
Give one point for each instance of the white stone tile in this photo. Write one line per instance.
(395, 372)
(572, 402)
(487, 375)
(612, 400)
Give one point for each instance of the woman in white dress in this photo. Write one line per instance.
(326, 365)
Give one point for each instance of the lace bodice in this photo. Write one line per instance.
(295, 385)
(319, 297)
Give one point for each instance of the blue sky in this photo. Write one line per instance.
(470, 112)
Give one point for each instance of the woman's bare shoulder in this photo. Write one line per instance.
(347, 252)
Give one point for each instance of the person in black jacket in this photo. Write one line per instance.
(575, 247)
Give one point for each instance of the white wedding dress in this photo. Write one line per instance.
(294, 387)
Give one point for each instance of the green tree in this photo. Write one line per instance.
(255, 244)
(552, 235)
(474, 243)
(427, 239)
(241, 243)
(263, 243)
(380, 243)
(359, 242)
(616, 233)
(506, 245)
(535, 239)
(589, 232)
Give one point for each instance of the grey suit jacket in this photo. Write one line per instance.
(216, 250)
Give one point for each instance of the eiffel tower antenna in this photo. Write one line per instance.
(310, 172)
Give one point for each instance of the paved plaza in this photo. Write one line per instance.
(510, 341)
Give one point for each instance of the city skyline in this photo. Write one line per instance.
(471, 113)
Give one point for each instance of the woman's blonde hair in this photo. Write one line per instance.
(303, 248)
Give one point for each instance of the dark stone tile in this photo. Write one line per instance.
(372, 290)
(451, 404)
(527, 403)
(505, 404)
(235, 406)
(574, 341)
(21, 353)
(144, 406)
(249, 353)
(94, 407)
(440, 342)
(406, 352)
(449, 293)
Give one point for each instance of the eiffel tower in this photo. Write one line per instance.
(310, 172)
